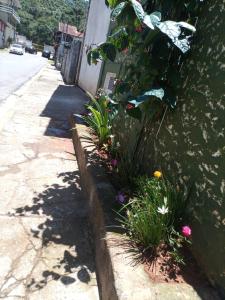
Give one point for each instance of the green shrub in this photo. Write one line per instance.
(38, 47)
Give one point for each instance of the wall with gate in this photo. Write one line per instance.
(70, 61)
(190, 144)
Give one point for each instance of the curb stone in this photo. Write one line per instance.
(93, 188)
(119, 278)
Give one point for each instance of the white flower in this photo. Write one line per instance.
(112, 137)
(162, 210)
(165, 201)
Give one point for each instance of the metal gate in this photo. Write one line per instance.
(70, 61)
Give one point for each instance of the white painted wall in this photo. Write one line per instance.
(9, 33)
(96, 32)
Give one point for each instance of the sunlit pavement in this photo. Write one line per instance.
(45, 245)
(15, 70)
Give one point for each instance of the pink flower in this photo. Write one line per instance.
(186, 231)
(114, 163)
(120, 198)
(129, 106)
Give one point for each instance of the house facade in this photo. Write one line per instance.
(102, 75)
(8, 21)
(99, 15)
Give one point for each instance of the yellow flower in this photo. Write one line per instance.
(157, 174)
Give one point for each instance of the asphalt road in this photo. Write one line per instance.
(15, 70)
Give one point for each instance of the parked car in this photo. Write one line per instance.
(16, 49)
(31, 50)
(46, 53)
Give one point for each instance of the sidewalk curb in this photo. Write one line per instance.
(93, 188)
(6, 109)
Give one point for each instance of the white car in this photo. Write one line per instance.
(16, 49)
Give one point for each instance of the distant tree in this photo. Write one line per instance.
(40, 18)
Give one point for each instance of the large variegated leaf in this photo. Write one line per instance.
(139, 11)
(159, 93)
(182, 44)
(187, 26)
(152, 20)
(173, 30)
(117, 10)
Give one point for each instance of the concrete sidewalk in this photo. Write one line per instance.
(45, 247)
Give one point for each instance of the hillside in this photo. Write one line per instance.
(39, 18)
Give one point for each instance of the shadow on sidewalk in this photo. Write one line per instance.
(63, 226)
(65, 101)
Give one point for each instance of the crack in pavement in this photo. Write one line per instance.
(4, 292)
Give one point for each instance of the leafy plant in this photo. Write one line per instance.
(176, 242)
(98, 119)
(151, 48)
(154, 217)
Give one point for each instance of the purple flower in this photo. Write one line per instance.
(120, 198)
(114, 163)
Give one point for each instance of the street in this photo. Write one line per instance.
(15, 70)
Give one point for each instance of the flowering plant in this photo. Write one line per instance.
(155, 216)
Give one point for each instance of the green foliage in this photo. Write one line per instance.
(40, 18)
(38, 47)
(155, 47)
(117, 10)
(154, 217)
(105, 51)
(98, 119)
(176, 242)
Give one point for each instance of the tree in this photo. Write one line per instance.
(40, 18)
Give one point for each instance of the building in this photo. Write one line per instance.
(8, 21)
(66, 33)
(21, 39)
(63, 38)
(90, 76)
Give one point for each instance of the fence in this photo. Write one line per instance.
(69, 65)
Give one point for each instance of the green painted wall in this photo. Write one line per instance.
(191, 142)
(108, 67)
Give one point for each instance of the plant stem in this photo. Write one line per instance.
(161, 121)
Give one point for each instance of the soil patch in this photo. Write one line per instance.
(163, 268)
